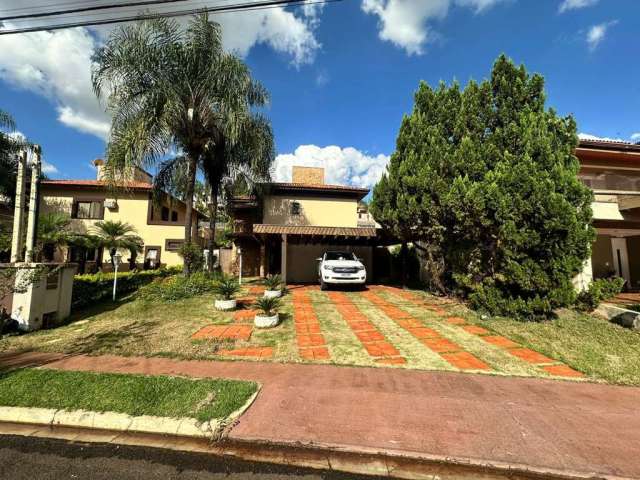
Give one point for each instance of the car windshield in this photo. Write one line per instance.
(339, 256)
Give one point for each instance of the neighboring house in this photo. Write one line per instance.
(161, 226)
(288, 225)
(612, 171)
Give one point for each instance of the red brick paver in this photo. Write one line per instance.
(373, 341)
(429, 337)
(257, 352)
(562, 371)
(244, 316)
(311, 342)
(500, 341)
(530, 356)
(224, 332)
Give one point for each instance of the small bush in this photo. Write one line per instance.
(598, 291)
(91, 288)
(193, 256)
(273, 282)
(177, 287)
(226, 287)
(268, 305)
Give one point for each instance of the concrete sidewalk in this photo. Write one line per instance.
(546, 424)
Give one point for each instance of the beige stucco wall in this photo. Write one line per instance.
(302, 266)
(318, 211)
(132, 208)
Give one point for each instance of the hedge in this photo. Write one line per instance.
(89, 289)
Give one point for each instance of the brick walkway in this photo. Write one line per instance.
(311, 343)
(448, 350)
(569, 426)
(371, 338)
(547, 364)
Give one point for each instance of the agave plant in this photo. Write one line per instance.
(273, 282)
(226, 287)
(268, 305)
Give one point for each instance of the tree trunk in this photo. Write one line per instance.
(213, 218)
(188, 217)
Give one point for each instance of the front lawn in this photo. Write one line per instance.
(136, 395)
(380, 327)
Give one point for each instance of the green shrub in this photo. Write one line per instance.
(598, 291)
(268, 305)
(91, 288)
(273, 282)
(193, 256)
(226, 287)
(177, 287)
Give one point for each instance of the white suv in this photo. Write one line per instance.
(341, 268)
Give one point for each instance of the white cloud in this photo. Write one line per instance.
(597, 33)
(342, 166)
(57, 64)
(48, 168)
(635, 136)
(588, 136)
(576, 4)
(406, 23)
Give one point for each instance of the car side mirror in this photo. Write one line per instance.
(319, 259)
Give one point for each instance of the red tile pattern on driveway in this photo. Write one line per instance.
(224, 332)
(547, 364)
(428, 337)
(244, 316)
(371, 338)
(311, 342)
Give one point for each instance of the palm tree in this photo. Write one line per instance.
(9, 147)
(116, 236)
(53, 232)
(176, 89)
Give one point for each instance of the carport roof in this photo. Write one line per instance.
(315, 230)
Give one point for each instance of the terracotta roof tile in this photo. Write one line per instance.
(315, 230)
(97, 184)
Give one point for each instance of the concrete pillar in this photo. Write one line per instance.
(582, 281)
(18, 211)
(283, 259)
(32, 222)
(263, 260)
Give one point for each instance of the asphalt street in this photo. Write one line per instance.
(26, 458)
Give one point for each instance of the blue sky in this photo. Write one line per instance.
(341, 76)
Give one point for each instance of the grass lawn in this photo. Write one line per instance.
(588, 344)
(161, 396)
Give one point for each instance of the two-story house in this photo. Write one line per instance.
(287, 226)
(612, 171)
(160, 225)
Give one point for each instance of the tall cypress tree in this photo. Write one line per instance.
(484, 182)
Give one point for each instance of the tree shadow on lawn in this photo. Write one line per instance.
(108, 341)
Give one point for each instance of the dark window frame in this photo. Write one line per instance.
(77, 201)
(169, 241)
(295, 208)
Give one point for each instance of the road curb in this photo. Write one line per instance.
(340, 458)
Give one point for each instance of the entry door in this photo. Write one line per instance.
(621, 258)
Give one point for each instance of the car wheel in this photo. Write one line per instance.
(323, 286)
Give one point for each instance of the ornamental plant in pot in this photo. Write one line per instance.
(225, 288)
(268, 316)
(273, 284)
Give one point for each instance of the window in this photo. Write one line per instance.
(295, 208)
(164, 215)
(174, 216)
(88, 209)
(173, 245)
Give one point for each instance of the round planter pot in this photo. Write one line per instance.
(262, 321)
(225, 304)
(272, 293)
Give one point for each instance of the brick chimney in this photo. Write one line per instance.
(308, 175)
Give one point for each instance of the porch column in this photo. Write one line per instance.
(34, 198)
(18, 211)
(582, 281)
(283, 259)
(263, 259)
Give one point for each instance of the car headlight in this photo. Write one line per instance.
(327, 267)
(361, 268)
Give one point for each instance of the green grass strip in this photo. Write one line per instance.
(161, 396)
